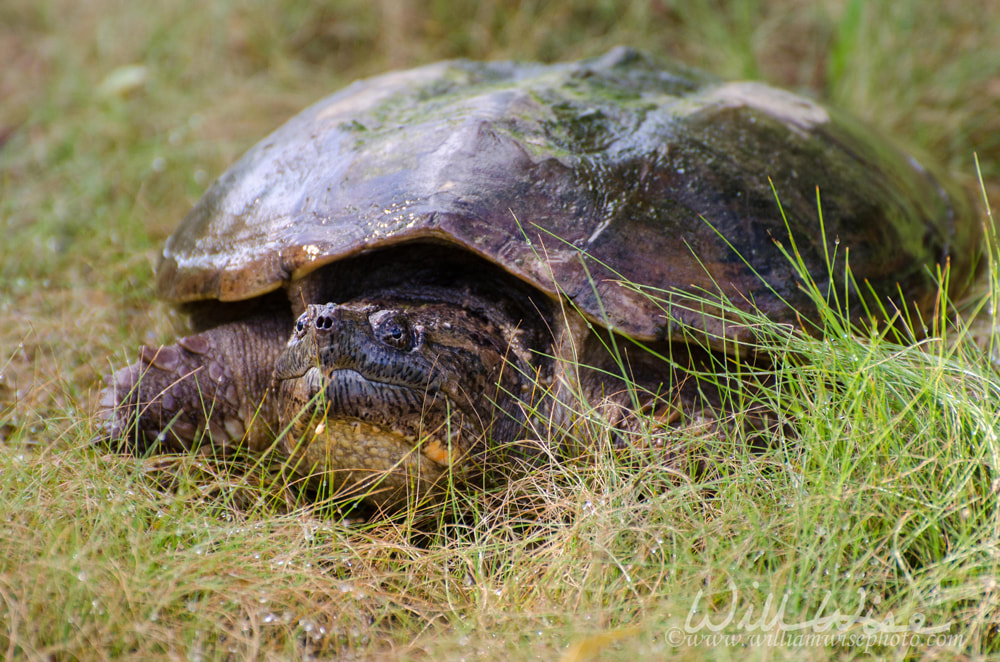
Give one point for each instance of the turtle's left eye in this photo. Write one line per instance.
(393, 329)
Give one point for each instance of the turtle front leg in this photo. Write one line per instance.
(215, 381)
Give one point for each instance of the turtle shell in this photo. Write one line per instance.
(583, 179)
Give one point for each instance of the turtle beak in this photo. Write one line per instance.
(301, 350)
(312, 333)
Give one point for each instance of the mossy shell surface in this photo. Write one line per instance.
(581, 179)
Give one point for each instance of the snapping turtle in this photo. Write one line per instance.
(390, 283)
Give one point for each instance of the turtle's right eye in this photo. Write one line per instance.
(300, 325)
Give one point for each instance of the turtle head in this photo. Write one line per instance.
(387, 396)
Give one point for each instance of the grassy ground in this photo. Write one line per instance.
(114, 118)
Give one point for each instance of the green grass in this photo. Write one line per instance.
(116, 116)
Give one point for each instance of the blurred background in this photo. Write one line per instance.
(116, 115)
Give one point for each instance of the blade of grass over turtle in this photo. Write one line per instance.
(660, 300)
(620, 368)
(568, 304)
(989, 306)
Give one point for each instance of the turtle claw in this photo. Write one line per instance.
(206, 386)
(113, 409)
(139, 395)
(164, 399)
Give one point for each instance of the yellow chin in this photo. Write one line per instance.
(439, 452)
(361, 459)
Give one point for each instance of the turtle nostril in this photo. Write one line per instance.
(324, 322)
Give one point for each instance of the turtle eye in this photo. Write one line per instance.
(300, 325)
(393, 329)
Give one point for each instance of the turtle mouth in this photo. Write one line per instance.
(344, 394)
(380, 380)
(349, 391)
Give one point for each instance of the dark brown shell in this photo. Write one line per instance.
(573, 177)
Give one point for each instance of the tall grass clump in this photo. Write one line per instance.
(884, 494)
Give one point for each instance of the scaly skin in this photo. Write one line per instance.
(215, 381)
(383, 396)
(389, 397)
